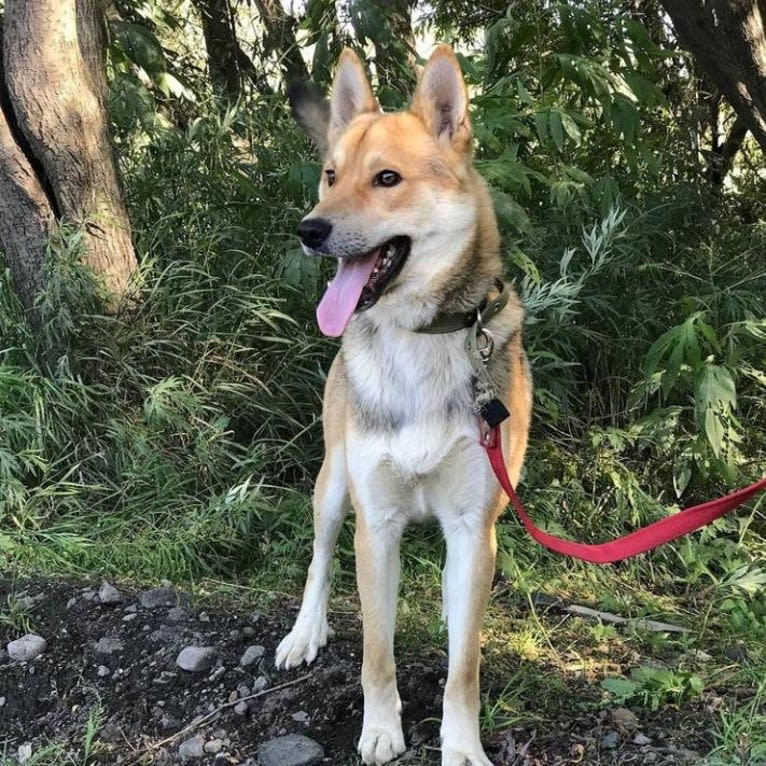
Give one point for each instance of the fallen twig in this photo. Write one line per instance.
(196, 723)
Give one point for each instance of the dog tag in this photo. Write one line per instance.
(494, 413)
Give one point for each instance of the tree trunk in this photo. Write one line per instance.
(54, 68)
(279, 39)
(395, 47)
(229, 65)
(728, 39)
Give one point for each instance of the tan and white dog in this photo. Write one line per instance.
(412, 226)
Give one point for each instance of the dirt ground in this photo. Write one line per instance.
(147, 707)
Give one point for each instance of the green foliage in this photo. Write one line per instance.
(654, 687)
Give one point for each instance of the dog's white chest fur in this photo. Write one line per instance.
(413, 446)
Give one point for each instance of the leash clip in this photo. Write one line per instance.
(482, 333)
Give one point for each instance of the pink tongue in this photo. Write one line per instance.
(339, 301)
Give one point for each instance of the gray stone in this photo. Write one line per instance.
(241, 708)
(109, 646)
(292, 750)
(301, 717)
(260, 684)
(178, 614)
(641, 739)
(24, 753)
(2, 701)
(192, 749)
(252, 653)
(610, 740)
(214, 746)
(157, 597)
(195, 659)
(26, 648)
(108, 594)
(103, 671)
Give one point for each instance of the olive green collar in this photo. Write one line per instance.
(483, 313)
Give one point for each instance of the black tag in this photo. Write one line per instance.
(494, 413)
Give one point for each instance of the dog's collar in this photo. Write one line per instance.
(483, 313)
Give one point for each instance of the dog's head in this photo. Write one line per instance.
(397, 204)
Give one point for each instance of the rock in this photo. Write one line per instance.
(24, 753)
(26, 648)
(106, 647)
(214, 746)
(2, 701)
(260, 684)
(610, 740)
(192, 749)
(251, 654)
(178, 614)
(641, 739)
(108, 594)
(248, 632)
(243, 691)
(103, 671)
(301, 717)
(624, 720)
(195, 659)
(241, 708)
(292, 750)
(157, 597)
(72, 601)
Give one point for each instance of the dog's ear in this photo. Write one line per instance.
(351, 94)
(312, 111)
(441, 100)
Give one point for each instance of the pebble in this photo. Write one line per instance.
(260, 684)
(243, 691)
(251, 654)
(178, 614)
(624, 720)
(610, 740)
(108, 594)
(2, 701)
(192, 749)
(241, 708)
(129, 617)
(292, 750)
(157, 597)
(248, 632)
(301, 717)
(196, 658)
(641, 739)
(27, 647)
(108, 646)
(214, 746)
(72, 601)
(102, 671)
(24, 753)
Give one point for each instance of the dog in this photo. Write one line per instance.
(411, 225)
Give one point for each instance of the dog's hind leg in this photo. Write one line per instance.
(310, 632)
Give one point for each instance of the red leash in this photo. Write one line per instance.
(640, 541)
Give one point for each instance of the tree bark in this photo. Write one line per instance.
(279, 39)
(26, 215)
(229, 65)
(54, 65)
(729, 41)
(395, 46)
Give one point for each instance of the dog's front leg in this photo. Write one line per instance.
(377, 571)
(468, 572)
(309, 634)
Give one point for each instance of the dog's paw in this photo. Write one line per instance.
(301, 644)
(381, 745)
(457, 756)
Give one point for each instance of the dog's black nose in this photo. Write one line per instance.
(314, 231)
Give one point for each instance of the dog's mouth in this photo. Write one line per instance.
(359, 283)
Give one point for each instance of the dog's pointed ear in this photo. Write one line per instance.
(312, 111)
(441, 100)
(351, 94)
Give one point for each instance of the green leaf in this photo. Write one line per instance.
(622, 688)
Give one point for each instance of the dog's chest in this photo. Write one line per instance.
(400, 381)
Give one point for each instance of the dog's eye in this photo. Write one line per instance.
(386, 178)
(330, 176)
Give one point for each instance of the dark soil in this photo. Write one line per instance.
(149, 706)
